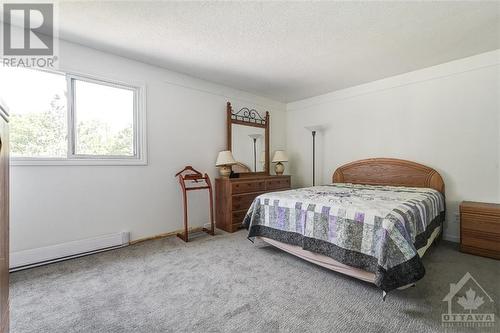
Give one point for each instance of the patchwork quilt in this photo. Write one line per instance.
(374, 228)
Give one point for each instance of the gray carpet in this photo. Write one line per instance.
(227, 284)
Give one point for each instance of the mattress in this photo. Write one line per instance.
(375, 229)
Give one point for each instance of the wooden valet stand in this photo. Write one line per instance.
(190, 176)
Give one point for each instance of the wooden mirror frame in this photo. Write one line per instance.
(249, 117)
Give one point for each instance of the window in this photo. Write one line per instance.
(65, 118)
(104, 119)
(37, 101)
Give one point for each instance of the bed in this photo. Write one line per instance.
(374, 222)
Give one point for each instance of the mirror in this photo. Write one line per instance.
(248, 148)
(248, 140)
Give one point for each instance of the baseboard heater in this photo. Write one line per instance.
(49, 254)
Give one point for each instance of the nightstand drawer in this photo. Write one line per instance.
(480, 228)
(245, 187)
(485, 223)
(275, 184)
(481, 240)
(482, 208)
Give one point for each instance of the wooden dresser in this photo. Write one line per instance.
(480, 229)
(233, 197)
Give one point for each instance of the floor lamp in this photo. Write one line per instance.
(314, 130)
(255, 137)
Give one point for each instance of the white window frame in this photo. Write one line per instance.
(139, 130)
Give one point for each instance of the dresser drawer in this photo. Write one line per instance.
(236, 226)
(249, 186)
(485, 223)
(239, 215)
(275, 184)
(243, 201)
(481, 240)
(233, 197)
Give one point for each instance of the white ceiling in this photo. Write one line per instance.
(286, 51)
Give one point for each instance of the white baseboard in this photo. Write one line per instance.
(451, 238)
(44, 255)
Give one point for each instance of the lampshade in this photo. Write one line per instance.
(280, 156)
(255, 136)
(225, 158)
(314, 128)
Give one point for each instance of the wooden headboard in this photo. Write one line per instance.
(389, 171)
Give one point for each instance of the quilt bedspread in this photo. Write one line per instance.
(375, 228)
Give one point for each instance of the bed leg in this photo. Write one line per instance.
(384, 295)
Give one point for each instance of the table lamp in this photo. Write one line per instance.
(224, 161)
(279, 156)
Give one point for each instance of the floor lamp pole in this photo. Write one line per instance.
(254, 155)
(314, 153)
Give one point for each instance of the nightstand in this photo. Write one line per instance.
(480, 229)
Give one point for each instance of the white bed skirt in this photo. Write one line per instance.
(334, 265)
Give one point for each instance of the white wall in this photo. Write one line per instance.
(446, 117)
(186, 125)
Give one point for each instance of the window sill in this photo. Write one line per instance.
(76, 162)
